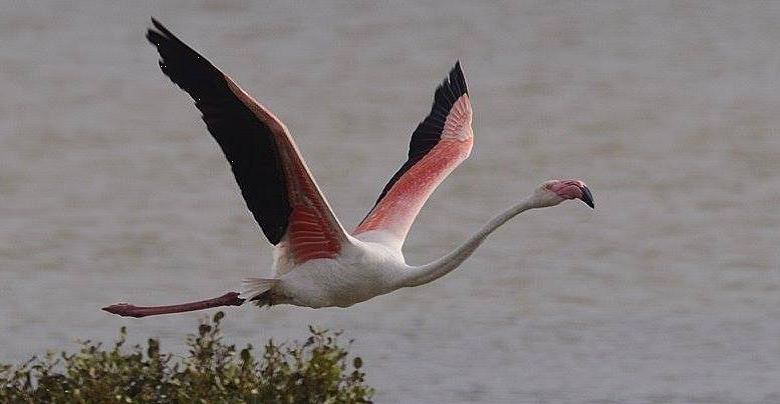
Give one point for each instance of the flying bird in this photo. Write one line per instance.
(317, 263)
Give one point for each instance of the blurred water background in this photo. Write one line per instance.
(669, 292)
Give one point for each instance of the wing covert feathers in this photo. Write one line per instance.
(274, 180)
(439, 143)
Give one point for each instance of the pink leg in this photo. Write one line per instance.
(129, 310)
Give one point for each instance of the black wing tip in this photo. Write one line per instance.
(457, 78)
(161, 28)
(162, 36)
(458, 70)
(451, 88)
(159, 34)
(182, 64)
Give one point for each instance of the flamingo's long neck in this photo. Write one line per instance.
(442, 266)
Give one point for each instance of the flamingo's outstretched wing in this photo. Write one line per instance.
(440, 142)
(274, 180)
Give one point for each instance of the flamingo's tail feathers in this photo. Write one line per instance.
(255, 288)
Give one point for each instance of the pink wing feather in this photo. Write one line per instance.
(439, 144)
(313, 231)
(276, 184)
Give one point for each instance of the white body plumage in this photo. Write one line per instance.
(364, 269)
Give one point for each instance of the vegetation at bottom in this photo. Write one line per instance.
(318, 370)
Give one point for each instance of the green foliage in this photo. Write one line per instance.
(316, 371)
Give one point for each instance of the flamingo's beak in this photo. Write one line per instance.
(587, 197)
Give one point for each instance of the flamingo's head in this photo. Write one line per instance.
(553, 192)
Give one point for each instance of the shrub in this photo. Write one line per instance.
(316, 371)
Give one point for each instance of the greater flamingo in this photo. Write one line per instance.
(316, 262)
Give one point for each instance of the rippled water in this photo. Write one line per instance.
(111, 189)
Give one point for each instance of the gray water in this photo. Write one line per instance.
(669, 292)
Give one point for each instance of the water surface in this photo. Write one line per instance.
(111, 189)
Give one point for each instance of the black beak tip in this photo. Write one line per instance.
(587, 197)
